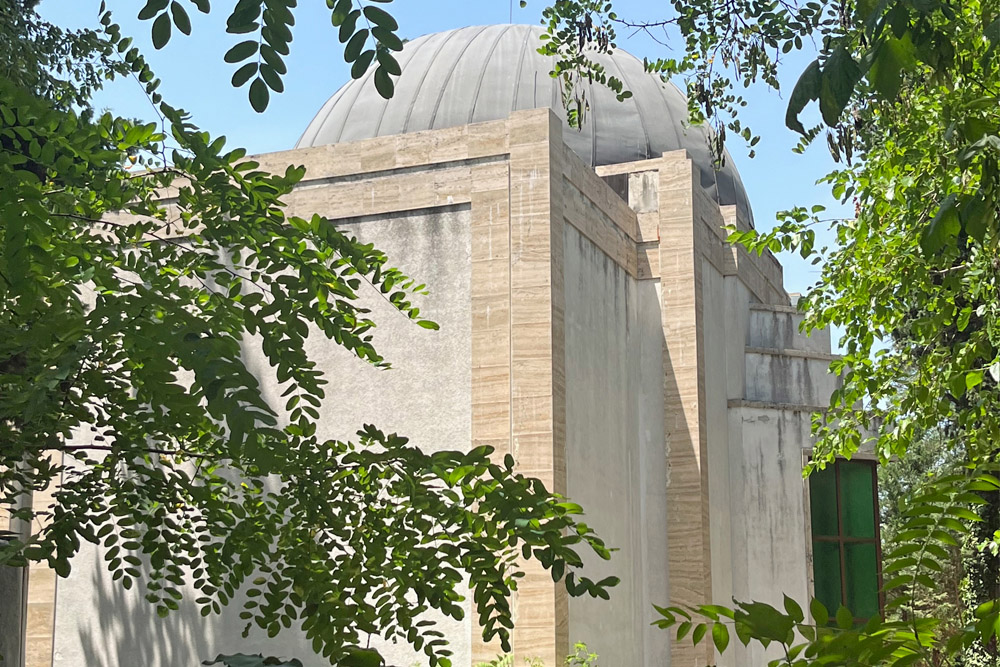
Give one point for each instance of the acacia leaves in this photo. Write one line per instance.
(572, 30)
(937, 517)
(381, 31)
(270, 22)
(725, 45)
(165, 14)
(915, 283)
(368, 32)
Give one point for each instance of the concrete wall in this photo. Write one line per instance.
(777, 327)
(717, 332)
(785, 376)
(778, 377)
(615, 458)
(768, 510)
(425, 396)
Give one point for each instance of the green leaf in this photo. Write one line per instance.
(62, 567)
(973, 379)
(272, 58)
(241, 52)
(892, 56)
(744, 632)
(793, 609)
(388, 63)
(348, 25)
(362, 657)
(341, 10)
(714, 610)
(181, 18)
(840, 75)
(720, 635)
(243, 74)
(244, 16)
(381, 18)
(161, 31)
(766, 621)
(699, 633)
(152, 8)
(272, 79)
(383, 83)
(259, 95)
(943, 228)
(807, 88)
(845, 619)
(353, 49)
(978, 218)
(361, 65)
(388, 39)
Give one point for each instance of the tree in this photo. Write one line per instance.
(899, 479)
(64, 67)
(122, 319)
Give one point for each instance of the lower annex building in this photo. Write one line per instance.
(594, 323)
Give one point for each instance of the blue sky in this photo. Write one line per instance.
(196, 78)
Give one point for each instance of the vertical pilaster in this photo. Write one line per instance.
(491, 330)
(688, 539)
(538, 400)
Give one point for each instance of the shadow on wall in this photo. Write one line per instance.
(99, 624)
(122, 629)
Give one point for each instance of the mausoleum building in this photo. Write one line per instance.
(595, 324)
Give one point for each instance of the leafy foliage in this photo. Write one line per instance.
(368, 32)
(571, 46)
(726, 42)
(900, 479)
(65, 67)
(137, 262)
(937, 519)
(911, 89)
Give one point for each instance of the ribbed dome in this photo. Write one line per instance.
(483, 73)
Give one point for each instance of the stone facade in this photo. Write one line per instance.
(596, 326)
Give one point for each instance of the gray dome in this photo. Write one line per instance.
(483, 73)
